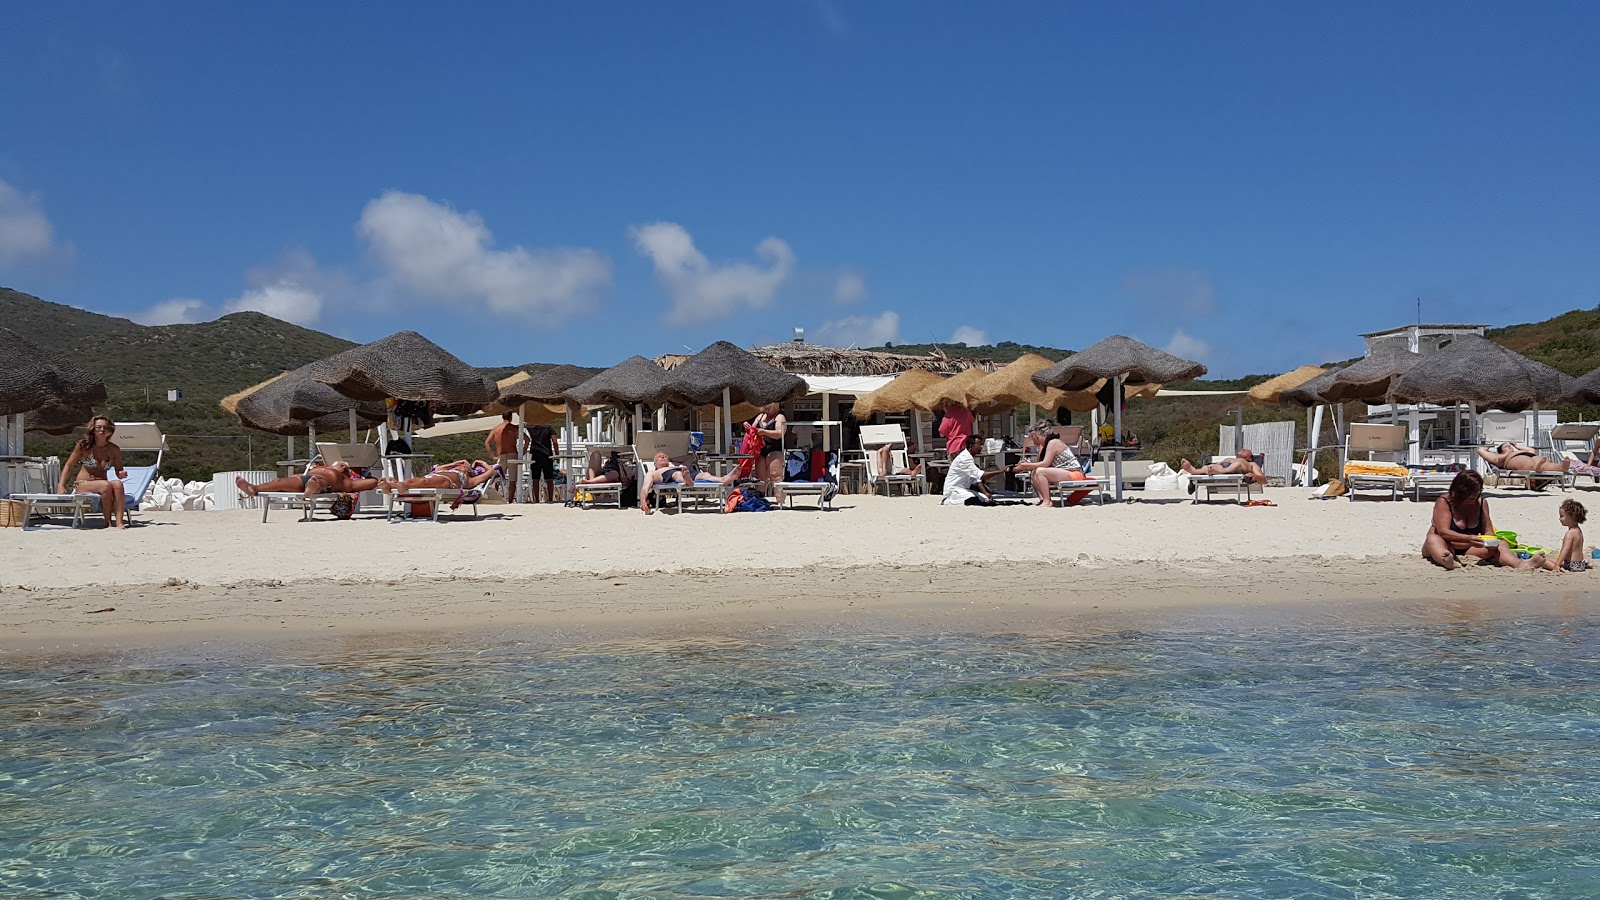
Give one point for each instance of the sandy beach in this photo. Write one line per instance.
(874, 563)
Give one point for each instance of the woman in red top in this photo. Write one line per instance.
(955, 428)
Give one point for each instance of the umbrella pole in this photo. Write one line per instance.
(916, 436)
(727, 421)
(1316, 441)
(566, 441)
(1238, 428)
(354, 427)
(290, 439)
(1116, 398)
(1033, 410)
(638, 420)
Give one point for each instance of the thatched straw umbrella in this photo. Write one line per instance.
(544, 386)
(32, 378)
(293, 404)
(1268, 391)
(1121, 360)
(897, 395)
(1585, 390)
(58, 420)
(629, 383)
(1367, 379)
(406, 366)
(948, 391)
(723, 371)
(1476, 370)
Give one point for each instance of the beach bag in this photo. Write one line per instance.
(397, 446)
(344, 506)
(1336, 488)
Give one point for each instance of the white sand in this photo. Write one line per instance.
(186, 576)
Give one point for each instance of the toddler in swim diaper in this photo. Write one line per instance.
(1571, 558)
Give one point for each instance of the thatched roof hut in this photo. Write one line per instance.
(1118, 356)
(634, 380)
(291, 403)
(702, 378)
(1269, 391)
(32, 378)
(544, 386)
(801, 358)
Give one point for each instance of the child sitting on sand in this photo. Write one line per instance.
(1571, 557)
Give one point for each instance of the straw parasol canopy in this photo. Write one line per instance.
(57, 419)
(1475, 370)
(1585, 390)
(702, 378)
(1367, 379)
(896, 396)
(634, 380)
(1118, 356)
(952, 390)
(1268, 391)
(32, 378)
(406, 366)
(545, 386)
(291, 403)
(1012, 385)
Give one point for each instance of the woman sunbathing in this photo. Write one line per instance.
(668, 472)
(459, 475)
(1241, 463)
(603, 469)
(334, 479)
(99, 456)
(1460, 520)
(1515, 457)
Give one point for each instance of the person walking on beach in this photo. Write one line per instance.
(542, 450)
(501, 445)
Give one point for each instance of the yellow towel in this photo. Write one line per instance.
(1366, 467)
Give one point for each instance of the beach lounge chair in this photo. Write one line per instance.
(675, 444)
(132, 437)
(1374, 474)
(875, 436)
(797, 483)
(1098, 487)
(1574, 442)
(1501, 427)
(1240, 486)
(588, 496)
(401, 505)
(361, 458)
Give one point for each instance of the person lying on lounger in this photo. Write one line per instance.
(668, 472)
(1241, 463)
(334, 479)
(1515, 457)
(602, 469)
(886, 463)
(459, 475)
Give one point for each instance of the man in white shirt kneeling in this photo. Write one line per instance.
(963, 485)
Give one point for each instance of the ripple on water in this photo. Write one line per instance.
(1403, 762)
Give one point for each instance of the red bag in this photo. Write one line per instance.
(421, 509)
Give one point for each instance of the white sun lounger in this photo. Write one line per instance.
(875, 436)
(675, 444)
(1061, 490)
(1371, 439)
(1203, 486)
(131, 437)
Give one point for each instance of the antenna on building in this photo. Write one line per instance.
(1419, 310)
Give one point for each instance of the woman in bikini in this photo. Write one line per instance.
(1460, 518)
(459, 475)
(98, 456)
(1521, 458)
(1056, 463)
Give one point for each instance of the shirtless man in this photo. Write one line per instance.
(334, 479)
(668, 472)
(501, 445)
(1522, 458)
(1241, 463)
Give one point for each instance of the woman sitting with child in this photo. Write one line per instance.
(1460, 522)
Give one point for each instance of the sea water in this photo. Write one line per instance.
(1454, 760)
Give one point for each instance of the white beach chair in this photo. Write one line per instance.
(675, 444)
(1242, 487)
(875, 436)
(588, 496)
(823, 490)
(131, 437)
(1374, 439)
(399, 467)
(1098, 486)
(1574, 442)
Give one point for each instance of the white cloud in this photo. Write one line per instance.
(178, 311)
(448, 256)
(1188, 346)
(1172, 291)
(701, 291)
(284, 299)
(25, 232)
(850, 287)
(859, 331)
(970, 336)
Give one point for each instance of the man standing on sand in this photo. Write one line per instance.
(501, 445)
(542, 450)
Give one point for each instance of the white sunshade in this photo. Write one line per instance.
(459, 426)
(856, 385)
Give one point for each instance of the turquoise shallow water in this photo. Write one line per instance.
(1449, 761)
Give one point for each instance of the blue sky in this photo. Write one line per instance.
(1252, 184)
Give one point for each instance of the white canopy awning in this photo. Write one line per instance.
(855, 385)
(459, 426)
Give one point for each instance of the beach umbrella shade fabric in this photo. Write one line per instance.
(406, 366)
(57, 419)
(1366, 380)
(634, 380)
(896, 396)
(1475, 370)
(1118, 357)
(293, 403)
(1585, 390)
(32, 378)
(703, 377)
(1012, 385)
(1309, 393)
(944, 392)
(1269, 391)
